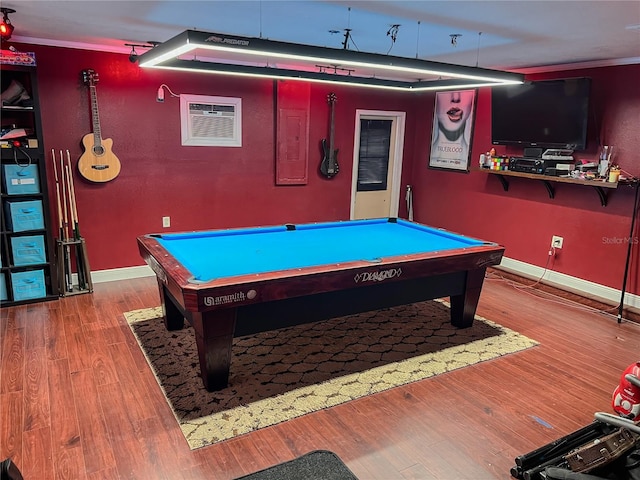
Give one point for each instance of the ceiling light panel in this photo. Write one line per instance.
(211, 52)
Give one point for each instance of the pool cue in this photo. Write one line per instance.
(72, 199)
(74, 218)
(629, 244)
(60, 224)
(55, 171)
(66, 228)
(82, 268)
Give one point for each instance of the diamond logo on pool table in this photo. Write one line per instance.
(377, 276)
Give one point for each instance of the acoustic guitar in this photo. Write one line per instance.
(98, 163)
(329, 166)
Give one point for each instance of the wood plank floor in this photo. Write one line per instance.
(78, 400)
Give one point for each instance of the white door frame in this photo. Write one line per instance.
(398, 119)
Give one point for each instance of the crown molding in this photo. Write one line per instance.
(579, 65)
(96, 47)
(524, 70)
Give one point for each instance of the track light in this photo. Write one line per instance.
(133, 56)
(6, 28)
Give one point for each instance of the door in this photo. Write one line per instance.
(377, 164)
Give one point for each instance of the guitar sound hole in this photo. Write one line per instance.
(99, 167)
(98, 150)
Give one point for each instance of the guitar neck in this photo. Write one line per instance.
(331, 128)
(97, 134)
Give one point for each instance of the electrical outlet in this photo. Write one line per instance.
(166, 222)
(556, 241)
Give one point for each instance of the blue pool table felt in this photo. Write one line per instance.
(228, 253)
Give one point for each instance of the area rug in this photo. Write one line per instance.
(282, 374)
(316, 465)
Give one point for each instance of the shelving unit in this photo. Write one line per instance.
(28, 271)
(602, 188)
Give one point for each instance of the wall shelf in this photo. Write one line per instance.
(602, 188)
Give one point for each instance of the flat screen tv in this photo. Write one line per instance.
(545, 114)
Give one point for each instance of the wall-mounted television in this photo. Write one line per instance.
(546, 114)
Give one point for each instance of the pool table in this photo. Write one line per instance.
(235, 282)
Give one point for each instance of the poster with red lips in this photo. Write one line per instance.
(452, 132)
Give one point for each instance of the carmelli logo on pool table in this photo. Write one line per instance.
(378, 276)
(231, 298)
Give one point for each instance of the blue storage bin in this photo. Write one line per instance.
(21, 180)
(22, 216)
(28, 250)
(3, 288)
(28, 285)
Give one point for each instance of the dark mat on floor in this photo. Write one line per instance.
(316, 465)
(283, 374)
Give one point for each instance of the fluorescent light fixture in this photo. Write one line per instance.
(233, 55)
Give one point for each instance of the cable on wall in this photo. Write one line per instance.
(160, 93)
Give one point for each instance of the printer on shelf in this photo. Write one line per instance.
(559, 169)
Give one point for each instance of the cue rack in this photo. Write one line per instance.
(70, 245)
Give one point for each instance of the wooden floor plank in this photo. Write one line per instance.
(36, 390)
(98, 451)
(11, 423)
(12, 360)
(123, 431)
(158, 452)
(37, 323)
(65, 432)
(38, 455)
(106, 474)
(68, 463)
(78, 349)
(54, 335)
(133, 391)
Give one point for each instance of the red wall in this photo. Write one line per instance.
(198, 187)
(525, 218)
(210, 187)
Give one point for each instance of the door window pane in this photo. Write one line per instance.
(373, 165)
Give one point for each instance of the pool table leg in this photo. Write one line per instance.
(173, 317)
(463, 307)
(214, 338)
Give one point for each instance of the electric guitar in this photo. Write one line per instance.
(329, 165)
(98, 163)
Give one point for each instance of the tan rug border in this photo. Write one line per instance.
(270, 411)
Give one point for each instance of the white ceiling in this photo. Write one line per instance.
(509, 35)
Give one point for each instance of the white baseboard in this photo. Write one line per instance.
(569, 283)
(549, 277)
(125, 273)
